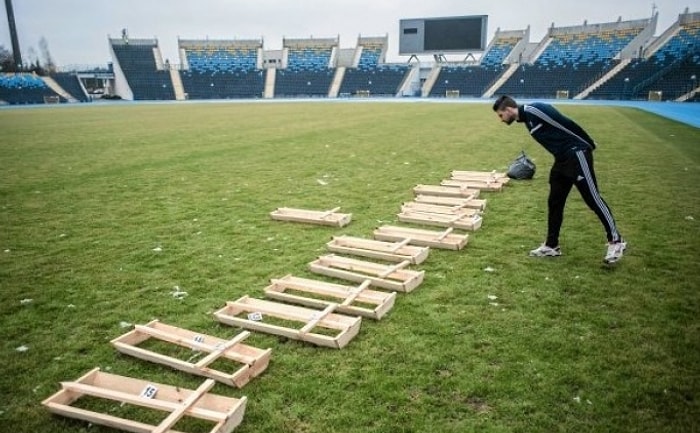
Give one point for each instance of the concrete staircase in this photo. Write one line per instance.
(53, 85)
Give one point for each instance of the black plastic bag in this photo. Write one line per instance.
(522, 167)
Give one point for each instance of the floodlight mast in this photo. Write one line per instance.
(16, 54)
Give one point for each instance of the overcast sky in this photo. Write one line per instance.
(76, 30)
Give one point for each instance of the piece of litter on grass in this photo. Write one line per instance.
(492, 297)
(577, 399)
(489, 269)
(26, 301)
(7, 251)
(124, 324)
(321, 182)
(589, 402)
(62, 235)
(70, 306)
(493, 304)
(177, 293)
(689, 218)
(157, 249)
(22, 348)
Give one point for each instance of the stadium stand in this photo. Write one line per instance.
(25, 88)
(137, 73)
(666, 70)
(474, 80)
(221, 69)
(71, 84)
(371, 76)
(572, 59)
(309, 70)
(613, 60)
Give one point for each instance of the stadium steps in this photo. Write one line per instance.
(53, 85)
(611, 73)
(178, 88)
(430, 81)
(502, 79)
(337, 81)
(270, 83)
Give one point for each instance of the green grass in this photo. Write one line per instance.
(87, 193)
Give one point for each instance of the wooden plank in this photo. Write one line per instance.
(444, 239)
(388, 277)
(329, 218)
(481, 185)
(254, 360)
(186, 405)
(381, 250)
(176, 401)
(446, 191)
(345, 326)
(480, 175)
(435, 208)
(347, 295)
(469, 202)
(471, 223)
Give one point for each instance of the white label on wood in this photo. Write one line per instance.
(149, 391)
(255, 316)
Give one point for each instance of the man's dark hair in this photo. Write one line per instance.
(504, 101)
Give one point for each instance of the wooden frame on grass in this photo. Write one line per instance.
(381, 250)
(438, 239)
(464, 222)
(328, 218)
(446, 191)
(392, 277)
(469, 202)
(481, 185)
(347, 295)
(413, 206)
(254, 360)
(480, 175)
(226, 412)
(345, 327)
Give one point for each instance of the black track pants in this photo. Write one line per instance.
(576, 170)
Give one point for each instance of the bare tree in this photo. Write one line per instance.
(49, 65)
(7, 62)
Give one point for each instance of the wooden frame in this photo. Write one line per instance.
(438, 239)
(381, 250)
(501, 177)
(436, 208)
(226, 412)
(446, 191)
(384, 301)
(464, 222)
(470, 202)
(392, 277)
(328, 218)
(254, 360)
(482, 185)
(346, 326)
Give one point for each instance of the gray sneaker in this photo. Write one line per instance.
(615, 252)
(545, 251)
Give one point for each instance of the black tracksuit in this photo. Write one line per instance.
(573, 149)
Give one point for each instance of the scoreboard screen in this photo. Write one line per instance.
(442, 35)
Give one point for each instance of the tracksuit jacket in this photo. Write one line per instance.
(558, 134)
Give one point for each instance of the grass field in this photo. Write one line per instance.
(105, 211)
